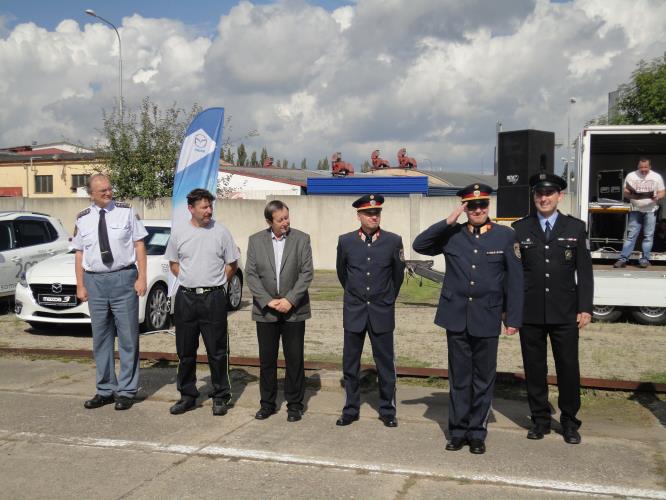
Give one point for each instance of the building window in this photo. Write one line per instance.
(79, 180)
(43, 183)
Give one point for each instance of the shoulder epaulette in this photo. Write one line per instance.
(83, 212)
(122, 204)
(519, 220)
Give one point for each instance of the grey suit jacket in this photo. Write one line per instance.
(295, 275)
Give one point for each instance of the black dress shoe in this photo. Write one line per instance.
(346, 419)
(389, 420)
(571, 435)
(220, 407)
(456, 443)
(123, 403)
(538, 431)
(183, 405)
(264, 413)
(294, 415)
(98, 401)
(477, 446)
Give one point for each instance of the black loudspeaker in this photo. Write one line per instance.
(521, 154)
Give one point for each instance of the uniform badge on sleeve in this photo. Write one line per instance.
(516, 249)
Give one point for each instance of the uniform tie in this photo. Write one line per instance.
(547, 231)
(103, 236)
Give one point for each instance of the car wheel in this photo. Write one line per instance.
(235, 291)
(606, 314)
(649, 315)
(157, 309)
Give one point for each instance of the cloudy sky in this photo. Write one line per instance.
(314, 77)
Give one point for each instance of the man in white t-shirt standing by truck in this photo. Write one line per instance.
(644, 188)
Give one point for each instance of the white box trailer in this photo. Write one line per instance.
(605, 155)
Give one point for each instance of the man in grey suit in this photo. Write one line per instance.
(279, 272)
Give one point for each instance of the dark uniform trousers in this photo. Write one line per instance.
(564, 344)
(559, 284)
(204, 313)
(472, 373)
(293, 337)
(383, 354)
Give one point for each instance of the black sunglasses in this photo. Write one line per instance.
(474, 204)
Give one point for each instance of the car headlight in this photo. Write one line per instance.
(22, 280)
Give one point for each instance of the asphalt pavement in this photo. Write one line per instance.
(50, 446)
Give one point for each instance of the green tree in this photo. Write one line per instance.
(319, 165)
(264, 155)
(304, 164)
(253, 159)
(285, 163)
(242, 155)
(141, 149)
(643, 99)
(293, 166)
(366, 167)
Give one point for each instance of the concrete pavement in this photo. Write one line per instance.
(50, 446)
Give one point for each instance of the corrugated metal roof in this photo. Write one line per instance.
(368, 184)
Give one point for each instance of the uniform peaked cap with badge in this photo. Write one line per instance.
(545, 180)
(369, 202)
(475, 192)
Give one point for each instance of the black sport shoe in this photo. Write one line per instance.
(98, 401)
(219, 407)
(183, 405)
(643, 263)
(620, 263)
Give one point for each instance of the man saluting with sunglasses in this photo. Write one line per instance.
(482, 285)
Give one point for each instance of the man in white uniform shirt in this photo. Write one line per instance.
(644, 188)
(110, 266)
(203, 254)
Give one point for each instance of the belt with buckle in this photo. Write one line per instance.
(131, 266)
(199, 290)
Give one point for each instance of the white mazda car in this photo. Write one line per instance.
(46, 294)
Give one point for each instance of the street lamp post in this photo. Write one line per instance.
(572, 100)
(92, 13)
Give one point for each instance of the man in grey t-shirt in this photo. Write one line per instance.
(203, 255)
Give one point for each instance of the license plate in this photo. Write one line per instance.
(57, 300)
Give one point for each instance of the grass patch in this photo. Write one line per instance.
(655, 377)
(418, 291)
(325, 286)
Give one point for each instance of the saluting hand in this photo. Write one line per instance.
(451, 219)
(583, 319)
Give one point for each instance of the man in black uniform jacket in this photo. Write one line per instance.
(558, 302)
(484, 279)
(371, 267)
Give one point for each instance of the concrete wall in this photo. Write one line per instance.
(323, 217)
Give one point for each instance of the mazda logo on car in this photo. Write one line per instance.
(56, 287)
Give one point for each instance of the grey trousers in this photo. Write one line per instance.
(114, 310)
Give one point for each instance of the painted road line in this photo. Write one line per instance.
(286, 458)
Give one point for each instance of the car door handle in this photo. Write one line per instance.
(15, 259)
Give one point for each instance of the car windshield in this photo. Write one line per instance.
(157, 239)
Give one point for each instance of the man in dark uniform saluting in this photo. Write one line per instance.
(484, 279)
(558, 302)
(371, 267)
